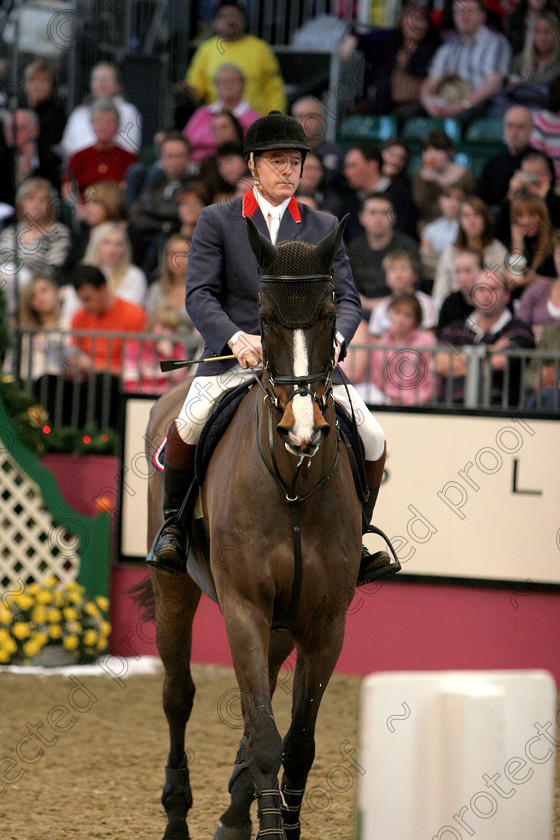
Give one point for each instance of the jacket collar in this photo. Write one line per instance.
(288, 226)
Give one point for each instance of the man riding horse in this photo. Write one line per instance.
(221, 299)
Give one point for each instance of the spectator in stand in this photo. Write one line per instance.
(362, 168)
(545, 373)
(230, 85)
(98, 361)
(438, 170)
(457, 306)
(494, 181)
(479, 57)
(443, 231)
(401, 376)
(105, 160)
(397, 62)
(540, 301)
(546, 127)
(226, 128)
(102, 202)
(401, 276)
(105, 84)
(531, 239)
(522, 19)
(39, 83)
(476, 231)
(493, 325)
(231, 44)
(536, 175)
(155, 210)
(396, 155)
(21, 157)
(231, 167)
(36, 243)
(366, 253)
(42, 354)
(169, 290)
(539, 61)
(311, 115)
(312, 185)
(109, 249)
(141, 370)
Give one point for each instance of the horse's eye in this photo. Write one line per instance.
(265, 323)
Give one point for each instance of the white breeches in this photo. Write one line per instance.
(205, 392)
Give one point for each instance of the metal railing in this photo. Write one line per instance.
(79, 376)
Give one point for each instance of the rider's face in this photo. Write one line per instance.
(279, 174)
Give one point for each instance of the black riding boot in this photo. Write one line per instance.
(169, 549)
(378, 564)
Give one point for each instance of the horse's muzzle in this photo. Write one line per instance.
(307, 446)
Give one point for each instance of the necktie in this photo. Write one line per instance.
(273, 222)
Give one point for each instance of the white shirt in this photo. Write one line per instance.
(266, 207)
(79, 133)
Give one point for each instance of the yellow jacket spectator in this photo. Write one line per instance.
(264, 87)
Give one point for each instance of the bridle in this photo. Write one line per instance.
(302, 384)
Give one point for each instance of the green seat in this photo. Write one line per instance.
(416, 128)
(360, 127)
(487, 129)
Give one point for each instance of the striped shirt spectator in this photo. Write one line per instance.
(546, 127)
(487, 52)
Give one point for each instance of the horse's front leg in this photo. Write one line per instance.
(316, 659)
(176, 603)
(235, 822)
(248, 630)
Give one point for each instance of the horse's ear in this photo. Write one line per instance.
(327, 248)
(262, 248)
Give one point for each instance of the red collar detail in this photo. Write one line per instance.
(250, 206)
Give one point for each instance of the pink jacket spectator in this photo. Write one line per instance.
(404, 375)
(546, 136)
(141, 371)
(198, 130)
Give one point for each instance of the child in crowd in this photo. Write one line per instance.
(401, 376)
(141, 370)
(437, 235)
(401, 275)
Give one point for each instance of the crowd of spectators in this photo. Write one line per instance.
(99, 234)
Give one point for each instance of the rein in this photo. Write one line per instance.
(294, 502)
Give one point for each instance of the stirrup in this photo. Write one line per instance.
(378, 564)
(170, 557)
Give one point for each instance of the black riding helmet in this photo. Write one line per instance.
(275, 131)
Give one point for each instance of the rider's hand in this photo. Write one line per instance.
(248, 350)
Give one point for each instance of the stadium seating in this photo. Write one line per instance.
(361, 128)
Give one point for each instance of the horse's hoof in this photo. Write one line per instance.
(176, 830)
(225, 833)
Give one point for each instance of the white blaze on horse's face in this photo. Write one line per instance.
(302, 406)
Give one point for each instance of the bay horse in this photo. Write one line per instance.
(283, 523)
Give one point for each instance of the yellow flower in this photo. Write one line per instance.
(75, 597)
(23, 601)
(4, 656)
(39, 614)
(37, 415)
(3, 635)
(91, 609)
(54, 615)
(50, 582)
(102, 602)
(41, 637)
(21, 630)
(89, 638)
(55, 631)
(44, 596)
(10, 645)
(102, 643)
(6, 614)
(58, 599)
(69, 613)
(31, 647)
(33, 588)
(71, 642)
(105, 628)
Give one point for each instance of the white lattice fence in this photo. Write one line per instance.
(32, 547)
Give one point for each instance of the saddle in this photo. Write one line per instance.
(212, 432)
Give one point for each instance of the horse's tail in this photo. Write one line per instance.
(143, 596)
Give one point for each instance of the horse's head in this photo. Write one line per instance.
(297, 316)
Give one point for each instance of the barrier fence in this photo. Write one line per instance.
(79, 376)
